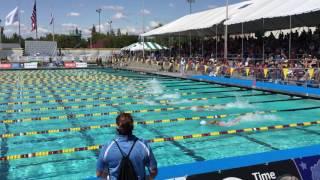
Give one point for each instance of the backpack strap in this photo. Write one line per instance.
(134, 142)
(122, 153)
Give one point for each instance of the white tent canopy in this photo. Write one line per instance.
(275, 14)
(148, 46)
(198, 21)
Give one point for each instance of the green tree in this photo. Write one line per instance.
(118, 32)
(93, 30)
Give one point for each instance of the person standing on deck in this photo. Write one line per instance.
(111, 158)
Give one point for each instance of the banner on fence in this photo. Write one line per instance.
(70, 65)
(32, 65)
(81, 65)
(5, 66)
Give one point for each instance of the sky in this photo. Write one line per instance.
(127, 15)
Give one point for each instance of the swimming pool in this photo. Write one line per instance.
(53, 121)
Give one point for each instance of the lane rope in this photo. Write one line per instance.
(159, 140)
(85, 128)
(95, 88)
(103, 98)
(161, 102)
(99, 87)
(102, 114)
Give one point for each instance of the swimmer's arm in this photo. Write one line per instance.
(230, 123)
(214, 122)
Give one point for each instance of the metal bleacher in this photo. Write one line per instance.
(40, 48)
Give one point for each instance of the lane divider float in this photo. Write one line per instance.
(161, 102)
(160, 140)
(102, 114)
(147, 122)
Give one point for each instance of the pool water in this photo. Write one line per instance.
(52, 110)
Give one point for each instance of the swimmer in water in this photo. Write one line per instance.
(225, 124)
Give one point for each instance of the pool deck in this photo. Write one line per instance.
(295, 90)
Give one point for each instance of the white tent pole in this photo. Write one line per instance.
(290, 38)
(202, 39)
(170, 46)
(263, 39)
(216, 41)
(190, 48)
(143, 29)
(242, 37)
(179, 45)
(226, 32)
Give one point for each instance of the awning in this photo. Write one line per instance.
(256, 15)
(199, 21)
(148, 46)
(275, 14)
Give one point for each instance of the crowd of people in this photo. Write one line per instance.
(276, 46)
(299, 72)
(275, 65)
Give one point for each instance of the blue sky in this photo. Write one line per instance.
(125, 14)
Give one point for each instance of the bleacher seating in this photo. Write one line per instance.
(40, 48)
(8, 50)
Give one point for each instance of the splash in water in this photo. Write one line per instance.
(194, 108)
(149, 102)
(245, 118)
(233, 105)
(183, 101)
(153, 87)
(258, 117)
(131, 89)
(169, 96)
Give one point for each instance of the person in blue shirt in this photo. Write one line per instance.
(141, 156)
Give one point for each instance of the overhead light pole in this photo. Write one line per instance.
(99, 12)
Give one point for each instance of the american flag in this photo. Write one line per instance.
(34, 17)
(52, 19)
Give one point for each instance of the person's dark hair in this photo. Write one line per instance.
(125, 124)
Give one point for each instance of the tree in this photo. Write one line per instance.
(93, 30)
(112, 33)
(157, 26)
(118, 32)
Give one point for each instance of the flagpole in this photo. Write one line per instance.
(53, 27)
(35, 1)
(19, 19)
(19, 26)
